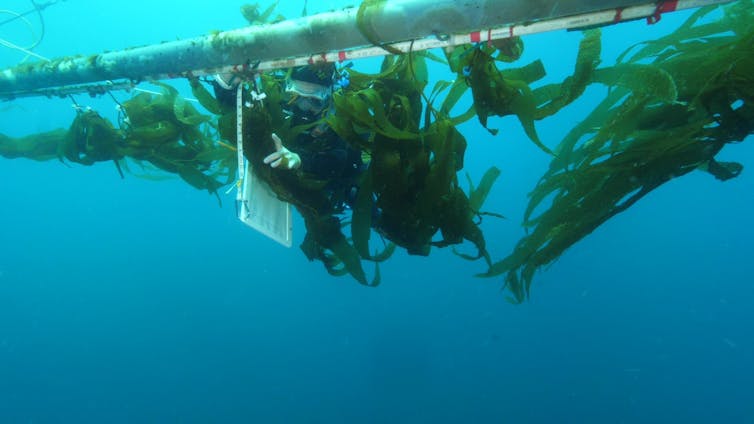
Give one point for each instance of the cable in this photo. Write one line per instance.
(41, 19)
(38, 7)
(28, 52)
(29, 26)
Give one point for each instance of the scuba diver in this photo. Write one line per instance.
(317, 151)
(320, 151)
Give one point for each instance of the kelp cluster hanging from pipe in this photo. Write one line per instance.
(672, 105)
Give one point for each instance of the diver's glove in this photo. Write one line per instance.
(282, 157)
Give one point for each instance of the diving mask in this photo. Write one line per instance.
(306, 96)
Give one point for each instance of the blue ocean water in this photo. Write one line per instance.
(133, 300)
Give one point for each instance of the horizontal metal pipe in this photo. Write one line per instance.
(385, 22)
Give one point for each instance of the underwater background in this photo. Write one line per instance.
(133, 300)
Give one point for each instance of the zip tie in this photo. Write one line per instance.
(76, 106)
(235, 185)
(257, 97)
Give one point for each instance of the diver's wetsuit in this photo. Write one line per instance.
(325, 155)
(328, 156)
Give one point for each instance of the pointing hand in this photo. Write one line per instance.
(282, 157)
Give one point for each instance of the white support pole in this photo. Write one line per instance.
(332, 36)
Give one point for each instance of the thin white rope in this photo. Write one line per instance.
(8, 44)
(29, 26)
(26, 50)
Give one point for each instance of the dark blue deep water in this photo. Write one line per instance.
(134, 300)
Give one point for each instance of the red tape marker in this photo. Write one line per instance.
(618, 15)
(663, 7)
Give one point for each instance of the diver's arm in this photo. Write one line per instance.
(338, 161)
(326, 164)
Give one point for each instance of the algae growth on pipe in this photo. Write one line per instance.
(373, 22)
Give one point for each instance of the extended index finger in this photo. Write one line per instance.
(278, 142)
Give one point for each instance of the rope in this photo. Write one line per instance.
(8, 44)
(37, 39)
(38, 7)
